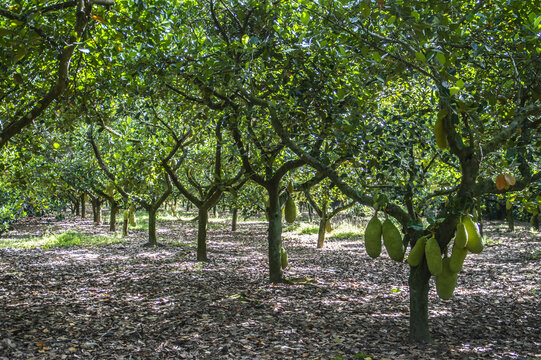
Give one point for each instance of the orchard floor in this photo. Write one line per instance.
(123, 301)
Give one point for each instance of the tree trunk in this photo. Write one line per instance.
(202, 234)
(96, 210)
(322, 231)
(83, 207)
(275, 234)
(418, 286)
(125, 227)
(112, 217)
(152, 240)
(214, 211)
(234, 219)
(310, 213)
(510, 220)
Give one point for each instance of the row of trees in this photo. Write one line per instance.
(207, 97)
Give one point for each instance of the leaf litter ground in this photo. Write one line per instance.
(123, 301)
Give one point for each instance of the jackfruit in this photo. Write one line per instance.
(392, 239)
(439, 133)
(110, 189)
(328, 226)
(372, 237)
(417, 252)
(457, 257)
(433, 256)
(126, 215)
(461, 236)
(475, 241)
(283, 258)
(290, 187)
(446, 281)
(290, 210)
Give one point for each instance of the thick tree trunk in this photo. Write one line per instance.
(419, 285)
(112, 217)
(321, 232)
(234, 219)
(202, 234)
(96, 210)
(275, 234)
(125, 227)
(152, 239)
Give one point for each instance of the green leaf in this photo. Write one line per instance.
(454, 90)
(441, 58)
(245, 39)
(305, 18)
(420, 56)
(460, 84)
(56, 145)
(376, 56)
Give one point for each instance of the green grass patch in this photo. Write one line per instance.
(346, 230)
(66, 239)
(309, 230)
(291, 227)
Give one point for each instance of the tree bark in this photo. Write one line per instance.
(234, 219)
(152, 239)
(112, 217)
(202, 234)
(275, 234)
(419, 285)
(322, 231)
(125, 227)
(83, 206)
(510, 220)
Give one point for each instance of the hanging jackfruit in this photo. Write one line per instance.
(433, 256)
(457, 257)
(475, 241)
(417, 252)
(290, 210)
(446, 281)
(372, 237)
(110, 189)
(461, 236)
(392, 239)
(290, 187)
(439, 133)
(328, 226)
(283, 258)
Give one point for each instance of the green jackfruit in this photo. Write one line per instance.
(290, 187)
(475, 241)
(372, 237)
(417, 252)
(110, 189)
(328, 226)
(439, 133)
(392, 239)
(290, 210)
(433, 256)
(461, 237)
(283, 258)
(457, 257)
(446, 281)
